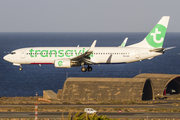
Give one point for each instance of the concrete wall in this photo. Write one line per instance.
(59, 94)
(49, 94)
(104, 89)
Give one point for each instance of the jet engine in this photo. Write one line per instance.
(66, 63)
(62, 63)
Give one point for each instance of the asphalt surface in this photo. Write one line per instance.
(161, 105)
(110, 115)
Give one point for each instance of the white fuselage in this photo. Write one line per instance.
(107, 55)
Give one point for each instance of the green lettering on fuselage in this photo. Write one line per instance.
(79, 52)
(36, 51)
(75, 53)
(83, 50)
(69, 51)
(91, 55)
(31, 52)
(46, 53)
(55, 52)
(59, 53)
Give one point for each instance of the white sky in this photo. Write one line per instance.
(87, 15)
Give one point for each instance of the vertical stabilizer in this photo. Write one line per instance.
(156, 37)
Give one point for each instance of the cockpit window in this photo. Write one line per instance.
(12, 53)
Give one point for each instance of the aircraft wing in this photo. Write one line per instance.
(84, 58)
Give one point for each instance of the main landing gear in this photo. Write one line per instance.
(84, 69)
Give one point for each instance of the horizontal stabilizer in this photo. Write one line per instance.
(157, 50)
(170, 48)
(161, 49)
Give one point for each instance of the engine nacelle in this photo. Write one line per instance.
(62, 63)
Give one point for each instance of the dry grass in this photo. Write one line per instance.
(32, 101)
(24, 100)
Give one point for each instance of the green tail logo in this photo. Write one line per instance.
(156, 37)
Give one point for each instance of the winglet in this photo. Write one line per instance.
(86, 54)
(91, 49)
(123, 43)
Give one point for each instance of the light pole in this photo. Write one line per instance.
(36, 108)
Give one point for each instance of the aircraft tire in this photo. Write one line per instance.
(83, 69)
(89, 68)
(20, 68)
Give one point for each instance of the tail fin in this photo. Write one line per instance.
(156, 37)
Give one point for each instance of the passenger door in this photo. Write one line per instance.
(137, 54)
(23, 54)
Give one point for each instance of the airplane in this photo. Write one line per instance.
(67, 57)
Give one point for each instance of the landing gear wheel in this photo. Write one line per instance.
(20, 68)
(83, 69)
(89, 68)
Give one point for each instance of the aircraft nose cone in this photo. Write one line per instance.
(6, 57)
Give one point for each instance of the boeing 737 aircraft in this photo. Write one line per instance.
(66, 57)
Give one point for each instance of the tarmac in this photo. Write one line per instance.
(168, 104)
(108, 114)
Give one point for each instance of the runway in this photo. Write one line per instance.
(168, 104)
(109, 114)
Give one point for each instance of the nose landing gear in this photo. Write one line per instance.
(20, 69)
